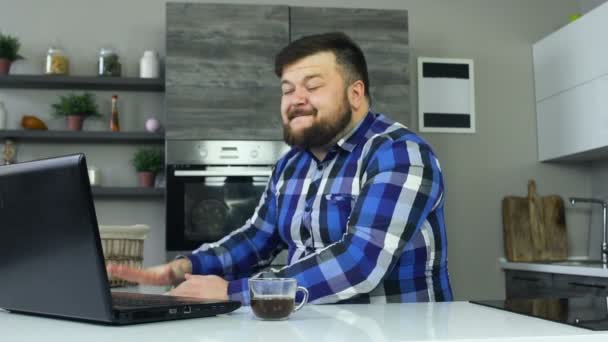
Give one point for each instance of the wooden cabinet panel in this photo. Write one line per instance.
(574, 286)
(220, 82)
(523, 284)
(383, 37)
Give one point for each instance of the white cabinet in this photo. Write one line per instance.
(571, 83)
(574, 124)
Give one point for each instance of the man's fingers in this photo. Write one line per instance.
(135, 275)
(182, 291)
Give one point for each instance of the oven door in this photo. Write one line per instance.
(206, 203)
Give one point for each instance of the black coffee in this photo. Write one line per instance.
(272, 307)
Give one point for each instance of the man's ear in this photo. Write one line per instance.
(356, 94)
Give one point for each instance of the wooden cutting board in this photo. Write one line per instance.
(534, 227)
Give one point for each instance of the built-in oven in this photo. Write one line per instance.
(213, 187)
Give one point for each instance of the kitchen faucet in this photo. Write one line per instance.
(604, 204)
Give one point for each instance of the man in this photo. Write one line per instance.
(357, 201)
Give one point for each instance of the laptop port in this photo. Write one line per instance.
(187, 309)
(173, 311)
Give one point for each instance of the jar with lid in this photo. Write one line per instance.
(149, 65)
(108, 63)
(57, 62)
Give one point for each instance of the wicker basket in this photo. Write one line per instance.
(123, 245)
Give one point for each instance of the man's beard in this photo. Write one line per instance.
(321, 133)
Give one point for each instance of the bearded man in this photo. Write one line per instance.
(357, 201)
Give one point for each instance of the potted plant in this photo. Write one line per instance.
(9, 52)
(76, 108)
(148, 162)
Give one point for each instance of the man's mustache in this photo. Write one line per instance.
(294, 113)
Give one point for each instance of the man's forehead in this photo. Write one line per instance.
(318, 64)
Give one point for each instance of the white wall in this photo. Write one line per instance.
(480, 168)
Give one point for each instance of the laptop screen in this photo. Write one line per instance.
(50, 254)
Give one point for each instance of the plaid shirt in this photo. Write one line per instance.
(365, 224)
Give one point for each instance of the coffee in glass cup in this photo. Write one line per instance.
(274, 298)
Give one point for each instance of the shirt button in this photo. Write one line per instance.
(320, 167)
(307, 209)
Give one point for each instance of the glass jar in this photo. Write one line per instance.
(108, 63)
(149, 66)
(57, 62)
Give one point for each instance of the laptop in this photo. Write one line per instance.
(51, 261)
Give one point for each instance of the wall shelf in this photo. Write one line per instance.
(82, 83)
(82, 136)
(127, 192)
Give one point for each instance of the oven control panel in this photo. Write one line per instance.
(225, 152)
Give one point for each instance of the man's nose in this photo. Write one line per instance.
(299, 97)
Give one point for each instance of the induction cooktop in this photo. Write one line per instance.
(585, 312)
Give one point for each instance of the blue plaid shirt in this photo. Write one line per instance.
(365, 224)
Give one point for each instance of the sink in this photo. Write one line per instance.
(584, 263)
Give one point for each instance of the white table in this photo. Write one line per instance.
(456, 321)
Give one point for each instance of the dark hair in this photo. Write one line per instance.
(348, 56)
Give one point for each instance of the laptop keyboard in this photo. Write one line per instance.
(126, 299)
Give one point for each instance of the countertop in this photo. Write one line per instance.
(586, 270)
(455, 321)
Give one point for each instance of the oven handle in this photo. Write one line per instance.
(222, 173)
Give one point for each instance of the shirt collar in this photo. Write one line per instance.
(357, 134)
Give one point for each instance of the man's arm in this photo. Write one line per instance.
(402, 184)
(252, 245)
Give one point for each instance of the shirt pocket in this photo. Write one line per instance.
(334, 213)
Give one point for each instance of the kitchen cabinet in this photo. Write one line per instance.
(523, 284)
(573, 125)
(573, 286)
(220, 80)
(383, 37)
(571, 80)
(526, 284)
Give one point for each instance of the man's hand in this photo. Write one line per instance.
(171, 273)
(204, 287)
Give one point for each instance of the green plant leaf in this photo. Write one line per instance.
(148, 159)
(9, 47)
(73, 104)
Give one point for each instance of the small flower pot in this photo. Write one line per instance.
(5, 66)
(146, 178)
(74, 122)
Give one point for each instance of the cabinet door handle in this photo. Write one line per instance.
(573, 283)
(534, 280)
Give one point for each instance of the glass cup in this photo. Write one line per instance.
(94, 176)
(273, 299)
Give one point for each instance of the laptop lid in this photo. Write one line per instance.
(51, 261)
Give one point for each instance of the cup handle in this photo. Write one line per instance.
(304, 300)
